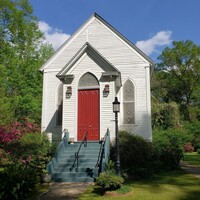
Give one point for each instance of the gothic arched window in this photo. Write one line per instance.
(128, 103)
(88, 80)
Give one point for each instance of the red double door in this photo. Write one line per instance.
(88, 114)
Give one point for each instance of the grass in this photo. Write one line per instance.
(176, 185)
(192, 158)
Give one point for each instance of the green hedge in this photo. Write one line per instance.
(140, 158)
(135, 155)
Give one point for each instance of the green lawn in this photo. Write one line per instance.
(176, 185)
(192, 158)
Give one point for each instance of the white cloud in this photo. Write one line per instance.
(52, 35)
(149, 46)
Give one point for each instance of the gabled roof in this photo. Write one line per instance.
(124, 38)
(96, 16)
(94, 55)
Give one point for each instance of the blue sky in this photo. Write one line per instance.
(150, 24)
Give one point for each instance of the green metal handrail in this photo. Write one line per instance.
(76, 161)
(104, 153)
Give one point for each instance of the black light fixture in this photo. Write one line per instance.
(69, 92)
(116, 109)
(116, 105)
(106, 90)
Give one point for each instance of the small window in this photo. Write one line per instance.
(128, 103)
(59, 105)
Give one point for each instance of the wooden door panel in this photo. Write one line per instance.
(88, 114)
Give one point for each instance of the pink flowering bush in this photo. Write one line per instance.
(26, 159)
(16, 130)
(188, 147)
(24, 153)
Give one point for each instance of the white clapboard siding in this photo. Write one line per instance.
(70, 105)
(122, 56)
(50, 89)
(103, 39)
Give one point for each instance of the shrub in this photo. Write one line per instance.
(17, 181)
(198, 151)
(188, 147)
(134, 149)
(25, 165)
(35, 146)
(110, 167)
(167, 147)
(170, 157)
(135, 155)
(165, 115)
(174, 137)
(109, 181)
(193, 129)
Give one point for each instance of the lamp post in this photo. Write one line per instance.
(116, 109)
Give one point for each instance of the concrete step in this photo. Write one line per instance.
(80, 169)
(74, 179)
(82, 155)
(87, 149)
(74, 174)
(69, 164)
(80, 160)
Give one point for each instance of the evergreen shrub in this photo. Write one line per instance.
(168, 148)
(135, 155)
(109, 181)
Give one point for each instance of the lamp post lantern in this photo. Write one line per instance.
(116, 109)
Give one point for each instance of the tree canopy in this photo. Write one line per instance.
(177, 76)
(21, 53)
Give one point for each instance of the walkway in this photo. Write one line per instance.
(62, 191)
(71, 191)
(190, 169)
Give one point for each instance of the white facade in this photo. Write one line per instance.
(97, 48)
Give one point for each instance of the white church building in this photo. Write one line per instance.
(83, 77)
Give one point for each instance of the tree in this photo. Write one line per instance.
(179, 73)
(21, 55)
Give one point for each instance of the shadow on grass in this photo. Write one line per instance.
(184, 182)
(174, 185)
(178, 177)
(98, 190)
(193, 195)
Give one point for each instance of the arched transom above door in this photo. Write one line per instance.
(88, 81)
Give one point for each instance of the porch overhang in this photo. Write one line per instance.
(66, 79)
(110, 73)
